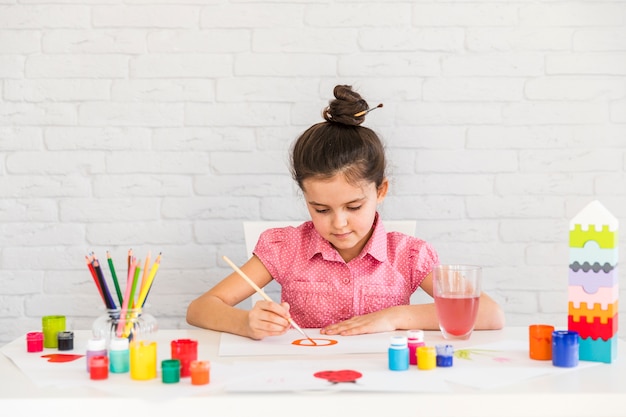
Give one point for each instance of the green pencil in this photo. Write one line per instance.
(131, 301)
(114, 275)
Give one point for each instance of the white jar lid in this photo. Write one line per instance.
(417, 335)
(96, 344)
(119, 343)
(398, 341)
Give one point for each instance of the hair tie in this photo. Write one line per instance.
(364, 112)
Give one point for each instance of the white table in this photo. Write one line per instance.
(598, 390)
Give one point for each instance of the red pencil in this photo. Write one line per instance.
(94, 276)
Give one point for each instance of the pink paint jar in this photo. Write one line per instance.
(34, 341)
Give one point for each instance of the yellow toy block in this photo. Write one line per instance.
(590, 313)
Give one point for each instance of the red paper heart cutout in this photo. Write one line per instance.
(61, 357)
(335, 377)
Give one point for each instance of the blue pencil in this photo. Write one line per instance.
(108, 300)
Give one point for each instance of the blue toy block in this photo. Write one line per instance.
(597, 350)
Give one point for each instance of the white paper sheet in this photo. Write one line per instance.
(232, 345)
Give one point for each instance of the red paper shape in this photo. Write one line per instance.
(335, 377)
(61, 357)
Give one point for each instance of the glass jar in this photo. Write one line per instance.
(133, 325)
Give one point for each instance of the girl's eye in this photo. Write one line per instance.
(321, 211)
(354, 208)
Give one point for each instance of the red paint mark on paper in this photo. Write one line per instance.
(61, 357)
(335, 377)
(316, 342)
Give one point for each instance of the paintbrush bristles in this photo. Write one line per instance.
(364, 112)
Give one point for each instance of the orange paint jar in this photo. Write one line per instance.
(200, 372)
(540, 341)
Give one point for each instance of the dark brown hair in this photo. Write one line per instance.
(340, 144)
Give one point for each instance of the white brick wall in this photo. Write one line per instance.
(161, 126)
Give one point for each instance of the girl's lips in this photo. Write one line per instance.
(341, 236)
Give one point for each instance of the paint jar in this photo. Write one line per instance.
(34, 341)
(134, 324)
(540, 341)
(143, 360)
(415, 340)
(565, 345)
(200, 372)
(119, 355)
(170, 371)
(426, 358)
(95, 347)
(99, 367)
(65, 340)
(51, 325)
(398, 353)
(185, 350)
(445, 355)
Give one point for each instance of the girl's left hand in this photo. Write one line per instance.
(369, 323)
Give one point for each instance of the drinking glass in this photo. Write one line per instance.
(456, 290)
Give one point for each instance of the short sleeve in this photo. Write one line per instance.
(272, 247)
(413, 257)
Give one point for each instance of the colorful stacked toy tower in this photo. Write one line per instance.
(593, 289)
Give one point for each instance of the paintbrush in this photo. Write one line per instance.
(262, 293)
(364, 112)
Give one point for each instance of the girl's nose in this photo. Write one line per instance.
(340, 220)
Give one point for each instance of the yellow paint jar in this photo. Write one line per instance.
(143, 360)
(426, 357)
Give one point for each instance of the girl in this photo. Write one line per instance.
(340, 272)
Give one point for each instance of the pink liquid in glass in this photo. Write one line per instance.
(457, 314)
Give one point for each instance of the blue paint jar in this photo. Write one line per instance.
(445, 355)
(398, 353)
(565, 345)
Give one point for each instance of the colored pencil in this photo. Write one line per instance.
(143, 294)
(125, 304)
(144, 276)
(136, 269)
(108, 300)
(95, 278)
(114, 275)
(265, 296)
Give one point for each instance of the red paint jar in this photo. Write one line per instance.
(34, 342)
(185, 350)
(99, 367)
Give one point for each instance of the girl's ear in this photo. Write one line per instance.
(382, 190)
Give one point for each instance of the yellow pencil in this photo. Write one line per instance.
(148, 283)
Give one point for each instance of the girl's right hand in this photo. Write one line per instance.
(267, 318)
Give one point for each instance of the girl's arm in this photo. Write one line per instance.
(415, 316)
(215, 309)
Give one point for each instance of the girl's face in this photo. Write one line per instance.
(343, 213)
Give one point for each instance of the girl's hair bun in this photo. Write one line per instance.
(348, 107)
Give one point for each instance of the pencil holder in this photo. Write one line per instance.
(133, 324)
